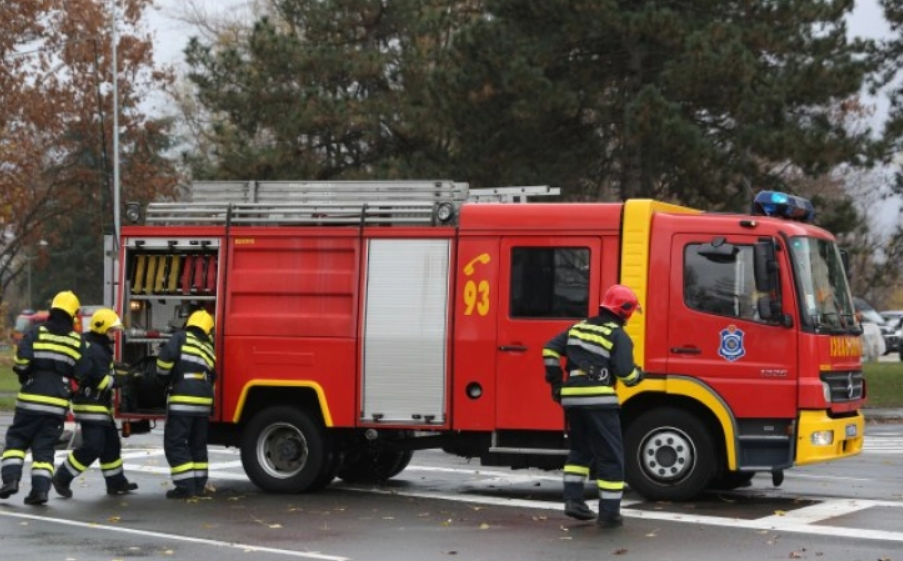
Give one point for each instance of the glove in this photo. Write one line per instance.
(640, 376)
(556, 393)
(120, 378)
(23, 379)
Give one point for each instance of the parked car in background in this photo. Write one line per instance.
(869, 315)
(892, 316)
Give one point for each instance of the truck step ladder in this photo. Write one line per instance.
(330, 202)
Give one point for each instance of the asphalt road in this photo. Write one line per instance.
(444, 508)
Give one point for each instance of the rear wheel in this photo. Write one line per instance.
(669, 455)
(284, 450)
(374, 462)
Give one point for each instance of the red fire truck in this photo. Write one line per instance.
(357, 322)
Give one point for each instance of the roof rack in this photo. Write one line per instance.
(511, 194)
(330, 202)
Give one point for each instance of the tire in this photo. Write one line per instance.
(731, 480)
(669, 455)
(283, 450)
(372, 466)
(328, 474)
(403, 462)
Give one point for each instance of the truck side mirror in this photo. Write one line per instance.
(845, 259)
(765, 265)
(764, 308)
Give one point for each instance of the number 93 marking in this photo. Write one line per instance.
(476, 296)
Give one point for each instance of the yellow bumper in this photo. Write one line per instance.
(822, 439)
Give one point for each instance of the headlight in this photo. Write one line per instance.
(826, 390)
(822, 438)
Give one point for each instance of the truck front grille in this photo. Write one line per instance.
(845, 386)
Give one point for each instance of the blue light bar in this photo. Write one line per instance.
(782, 205)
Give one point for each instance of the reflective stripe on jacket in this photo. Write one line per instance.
(93, 402)
(598, 353)
(186, 364)
(47, 362)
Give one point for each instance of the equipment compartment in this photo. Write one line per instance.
(165, 281)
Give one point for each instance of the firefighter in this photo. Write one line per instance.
(48, 358)
(92, 405)
(599, 353)
(186, 365)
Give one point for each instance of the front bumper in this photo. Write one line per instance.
(847, 436)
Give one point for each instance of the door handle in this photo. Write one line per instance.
(686, 350)
(513, 348)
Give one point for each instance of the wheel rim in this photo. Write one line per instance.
(667, 455)
(282, 450)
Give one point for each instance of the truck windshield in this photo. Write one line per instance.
(825, 298)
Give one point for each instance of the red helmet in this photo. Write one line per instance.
(621, 301)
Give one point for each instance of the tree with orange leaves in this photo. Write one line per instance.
(56, 135)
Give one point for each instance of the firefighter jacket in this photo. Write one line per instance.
(93, 400)
(186, 365)
(48, 358)
(598, 353)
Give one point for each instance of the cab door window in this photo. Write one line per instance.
(550, 282)
(720, 287)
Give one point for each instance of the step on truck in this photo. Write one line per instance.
(359, 322)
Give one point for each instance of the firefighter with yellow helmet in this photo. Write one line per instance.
(93, 409)
(186, 365)
(49, 357)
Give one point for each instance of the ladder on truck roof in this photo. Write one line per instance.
(330, 202)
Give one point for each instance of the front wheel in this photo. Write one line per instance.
(283, 450)
(669, 455)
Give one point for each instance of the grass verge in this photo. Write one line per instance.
(884, 379)
(884, 383)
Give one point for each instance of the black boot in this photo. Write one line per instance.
(36, 498)
(179, 493)
(61, 487)
(9, 488)
(576, 508)
(615, 521)
(122, 488)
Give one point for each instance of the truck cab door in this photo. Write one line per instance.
(715, 332)
(546, 285)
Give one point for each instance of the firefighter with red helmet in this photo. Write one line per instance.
(49, 357)
(599, 353)
(186, 364)
(92, 406)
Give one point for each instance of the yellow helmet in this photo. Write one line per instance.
(202, 320)
(66, 301)
(104, 320)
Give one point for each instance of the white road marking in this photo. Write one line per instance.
(883, 445)
(803, 520)
(777, 523)
(175, 537)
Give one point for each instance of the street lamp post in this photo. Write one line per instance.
(28, 260)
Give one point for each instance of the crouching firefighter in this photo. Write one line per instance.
(186, 365)
(599, 353)
(48, 358)
(92, 405)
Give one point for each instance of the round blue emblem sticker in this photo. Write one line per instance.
(732, 343)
